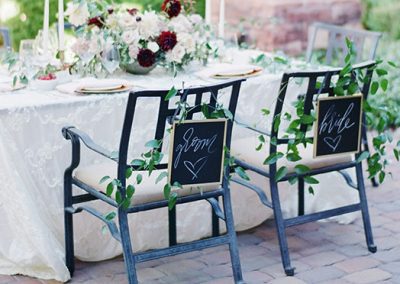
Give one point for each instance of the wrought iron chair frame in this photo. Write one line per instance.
(280, 222)
(121, 232)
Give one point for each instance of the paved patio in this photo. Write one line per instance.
(323, 252)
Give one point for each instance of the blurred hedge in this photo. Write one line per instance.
(382, 15)
(33, 10)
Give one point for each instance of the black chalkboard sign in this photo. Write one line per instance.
(338, 128)
(197, 152)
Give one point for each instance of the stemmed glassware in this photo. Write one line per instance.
(27, 55)
(110, 58)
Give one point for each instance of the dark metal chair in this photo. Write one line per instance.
(364, 42)
(94, 191)
(336, 49)
(5, 34)
(252, 160)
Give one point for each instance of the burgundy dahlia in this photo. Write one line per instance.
(167, 40)
(96, 21)
(146, 57)
(172, 7)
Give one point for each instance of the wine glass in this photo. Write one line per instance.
(110, 59)
(27, 56)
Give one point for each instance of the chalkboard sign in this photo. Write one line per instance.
(197, 152)
(338, 128)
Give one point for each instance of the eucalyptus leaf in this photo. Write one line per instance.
(171, 93)
(281, 173)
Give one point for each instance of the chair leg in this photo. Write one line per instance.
(214, 222)
(233, 244)
(172, 226)
(280, 227)
(364, 209)
(129, 258)
(301, 196)
(68, 225)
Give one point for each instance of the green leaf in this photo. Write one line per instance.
(110, 216)
(204, 110)
(261, 138)
(293, 157)
(384, 84)
(103, 179)
(271, 159)
(391, 63)
(277, 122)
(167, 191)
(153, 144)
(381, 176)
(301, 169)
(110, 189)
(293, 180)
(138, 163)
(118, 197)
(161, 176)
(381, 72)
(228, 114)
(171, 93)
(311, 180)
(139, 178)
(374, 87)
(259, 147)
(265, 111)
(128, 172)
(307, 119)
(130, 190)
(396, 154)
(172, 200)
(281, 173)
(240, 171)
(364, 155)
(311, 190)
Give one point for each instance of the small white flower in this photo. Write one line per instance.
(180, 24)
(112, 21)
(78, 13)
(153, 46)
(80, 46)
(196, 19)
(187, 41)
(130, 36)
(176, 54)
(127, 21)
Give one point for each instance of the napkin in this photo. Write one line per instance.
(92, 85)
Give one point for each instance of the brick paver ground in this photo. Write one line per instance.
(322, 252)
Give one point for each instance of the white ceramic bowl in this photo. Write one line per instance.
(43, 85)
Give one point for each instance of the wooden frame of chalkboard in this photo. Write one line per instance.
(221, 144)
(358, 98)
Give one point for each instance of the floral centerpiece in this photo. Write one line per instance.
(171, 38)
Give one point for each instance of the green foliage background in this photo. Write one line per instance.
(33, 9)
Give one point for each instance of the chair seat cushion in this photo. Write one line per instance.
(147, 191)
(245, 149)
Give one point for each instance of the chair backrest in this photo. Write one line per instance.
(227, 92)
(365, 43)
(5, 34)
(317, 83)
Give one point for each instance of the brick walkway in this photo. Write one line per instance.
(323, 252)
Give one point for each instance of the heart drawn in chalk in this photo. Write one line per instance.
(333, 142)
(196, 167)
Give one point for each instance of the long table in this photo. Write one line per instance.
(34, 155)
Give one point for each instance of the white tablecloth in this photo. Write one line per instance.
(33, 156)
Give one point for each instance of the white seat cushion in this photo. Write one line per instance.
(147, 191)
(245, 149)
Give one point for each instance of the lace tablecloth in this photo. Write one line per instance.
(33, 156)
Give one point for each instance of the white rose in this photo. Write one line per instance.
(180, 24)
(187, 41)
(153, 46)
(130, 36)
(127, 21)
(80, 46)
(176, 54)
(133, 51)
(77, 13)
(196, 19)
(149, 25)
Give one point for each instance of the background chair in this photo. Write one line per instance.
(148, 196)
(5, 34)
(334, 46)
(252, 160)
(334, 50)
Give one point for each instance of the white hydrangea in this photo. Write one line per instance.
(176, 54)
(77, 13)
(126, 20)
(150, 25)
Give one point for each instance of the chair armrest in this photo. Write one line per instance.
(253, 128)
(71, 131)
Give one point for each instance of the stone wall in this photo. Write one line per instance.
(283, 24)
